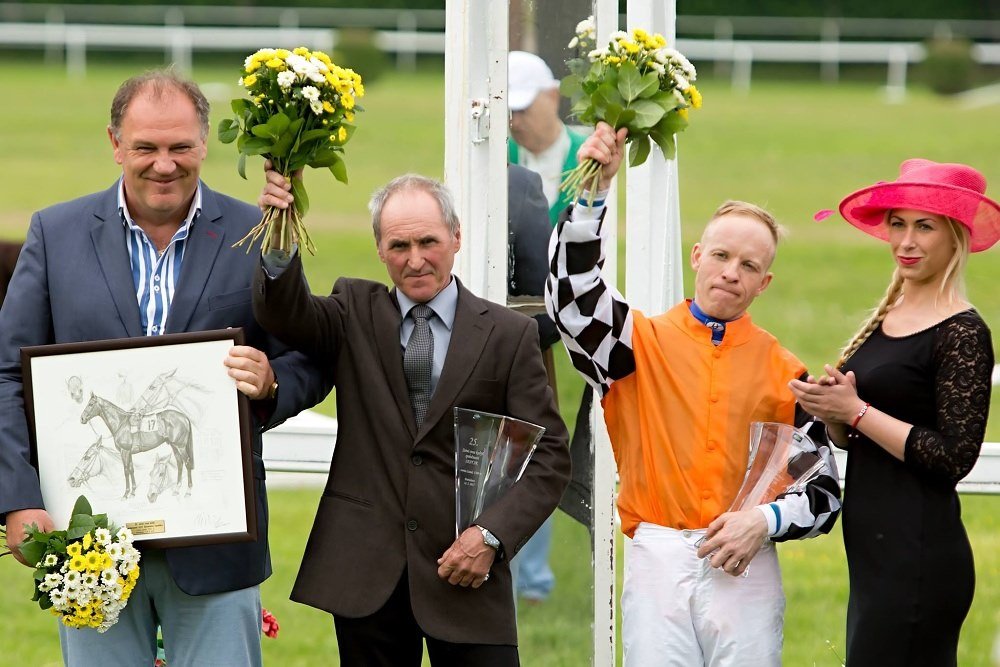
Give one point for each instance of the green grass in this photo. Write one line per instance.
(794, 148)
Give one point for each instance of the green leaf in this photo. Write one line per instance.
(629, 81)
(229, 129)
(278, 123)
(309, 135)
(647, 115)
(570, 86)
(82, 506)
(666, 143)
(44, 602)
(606, 95)
(339, 171)
(241, 165)
(256, 146)
(668, 101)
(263, 131)
(240, 105)
(325, 156)
(301, 198)
(32, 551)
(625, 118)
(76, 532)
(650, 85)
(40, 573)
(612, 115)
(638, 151)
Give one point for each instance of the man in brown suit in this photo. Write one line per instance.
(382, 556)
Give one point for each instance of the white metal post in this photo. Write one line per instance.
(605, 480)
(475, 166)
(653, 265)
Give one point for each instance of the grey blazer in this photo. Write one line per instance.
(73, 283)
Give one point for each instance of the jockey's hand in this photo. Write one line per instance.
(251, 370)
(18, 523)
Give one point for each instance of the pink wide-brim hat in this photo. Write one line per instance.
(953, 190)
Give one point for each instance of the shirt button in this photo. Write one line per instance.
(155, 328)
(416, 460)
(156, 288)
(717, 354)
(156, 278)
(411, 525)
(706, 495)
(710, 446)
(714, 398)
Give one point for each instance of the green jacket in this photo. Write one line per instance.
(575, 141)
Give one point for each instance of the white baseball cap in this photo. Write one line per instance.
(527, 75)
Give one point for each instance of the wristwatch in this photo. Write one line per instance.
(489, 539)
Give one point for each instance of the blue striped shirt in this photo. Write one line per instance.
(154, 274)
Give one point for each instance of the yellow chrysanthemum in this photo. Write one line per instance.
(327, 107)
(344, 87)
(276, 63)
(349, 116)
(73, 549)
(683, 113)
(342, 134)
(264, 55)
(133, 574)
(613, 60)
(694, 95)
(94, 561)
(250, 80)
(332, 79)
(88, 540)
(322, 57)
(347, 100)
(359, 89)
(659, 41)
(77, 563)
(282, 53)
(301, 51)
(252, 67)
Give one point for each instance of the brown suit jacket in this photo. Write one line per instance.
(389, 502)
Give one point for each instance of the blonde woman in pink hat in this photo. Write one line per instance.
(909, 400)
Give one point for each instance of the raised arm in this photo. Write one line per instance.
(593, 318)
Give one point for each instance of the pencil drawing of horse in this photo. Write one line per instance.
(167, 427)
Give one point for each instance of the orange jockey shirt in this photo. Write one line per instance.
(680, 424)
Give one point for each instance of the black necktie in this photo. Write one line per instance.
(417, 361)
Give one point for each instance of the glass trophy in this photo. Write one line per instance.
(782, 460)
(491, 453)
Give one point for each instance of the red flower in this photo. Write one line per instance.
(269, 624)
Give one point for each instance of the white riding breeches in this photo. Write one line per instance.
(679, 611)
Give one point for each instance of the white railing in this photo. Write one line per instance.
(305, 443)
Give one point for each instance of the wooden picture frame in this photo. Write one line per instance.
(152, 430)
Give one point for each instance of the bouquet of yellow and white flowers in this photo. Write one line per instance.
(636, 82)
(86, 573)
(299, 114)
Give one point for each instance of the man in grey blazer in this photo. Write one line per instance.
(150, 255)
(383, 557)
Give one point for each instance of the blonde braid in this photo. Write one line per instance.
(892, 295)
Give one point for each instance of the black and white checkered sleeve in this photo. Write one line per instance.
(593, 318)
(815, 509)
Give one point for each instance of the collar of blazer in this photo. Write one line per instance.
(203, 245)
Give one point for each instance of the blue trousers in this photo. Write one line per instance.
(533, 575)
(218, 630)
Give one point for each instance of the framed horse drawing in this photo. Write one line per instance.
(152, 429)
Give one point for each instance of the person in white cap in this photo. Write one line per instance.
(540, 140)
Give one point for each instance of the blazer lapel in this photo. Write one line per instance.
(468, 340)
(108, 235)
(386, 321)
(204, 241)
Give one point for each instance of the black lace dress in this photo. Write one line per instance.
(910, 562)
